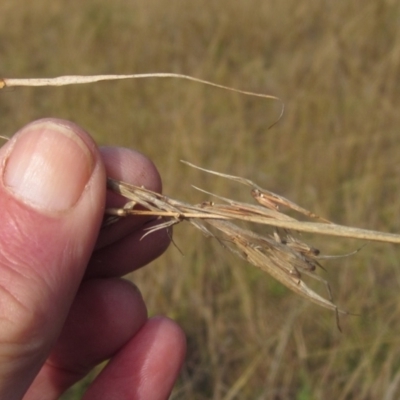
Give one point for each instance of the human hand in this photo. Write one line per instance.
(63, 307)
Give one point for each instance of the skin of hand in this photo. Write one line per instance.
(63, 306)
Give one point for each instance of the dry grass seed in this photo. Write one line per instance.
(279, 254)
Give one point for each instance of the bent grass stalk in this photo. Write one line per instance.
(278, 253)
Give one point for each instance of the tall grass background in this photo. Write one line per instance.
(336, 65)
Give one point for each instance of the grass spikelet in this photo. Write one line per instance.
(280, 253)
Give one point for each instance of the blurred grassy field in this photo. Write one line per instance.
(336, 65)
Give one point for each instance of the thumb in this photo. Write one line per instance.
(52, 191)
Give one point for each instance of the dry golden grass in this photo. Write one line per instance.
(337, 68)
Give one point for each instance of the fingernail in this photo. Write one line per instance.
(48, 167)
